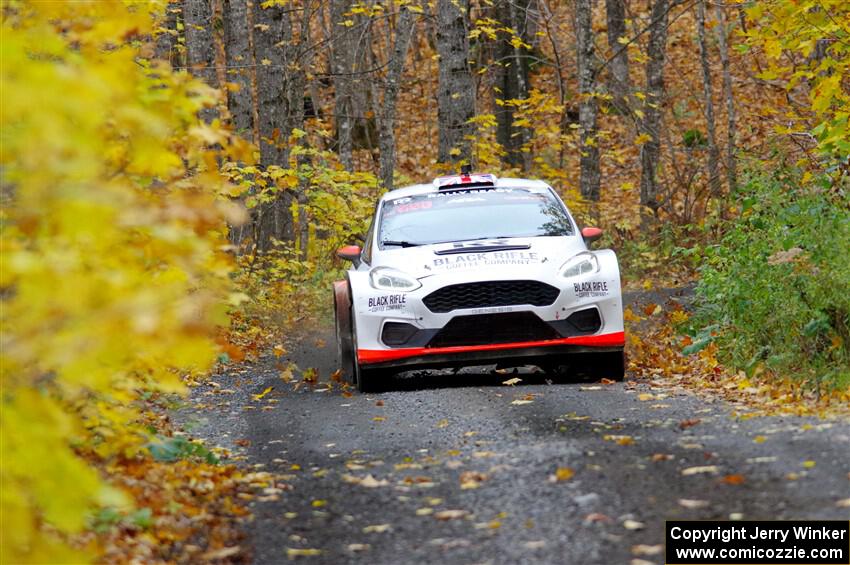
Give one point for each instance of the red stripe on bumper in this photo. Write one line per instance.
(380, 355)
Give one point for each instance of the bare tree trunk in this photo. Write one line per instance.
(296, 95)
(556, 52)
(653, 109)
(456, 95)
(589, 182)
(200, 46)
(386, 121)
(343, 52)
(166, 39)
(618, 74)
(239, 60)
(731, 166)
(512, 79)
(713, 153)
(271, 32)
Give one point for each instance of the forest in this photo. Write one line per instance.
(176, 176)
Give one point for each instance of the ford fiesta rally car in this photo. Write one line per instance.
(477, 270)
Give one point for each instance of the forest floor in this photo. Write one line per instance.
(459, 468)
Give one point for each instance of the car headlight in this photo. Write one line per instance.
(582, 264)
(384, 278)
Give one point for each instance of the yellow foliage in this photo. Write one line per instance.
(805, 44)
(112, 279)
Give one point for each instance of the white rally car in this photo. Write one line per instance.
(477, 270)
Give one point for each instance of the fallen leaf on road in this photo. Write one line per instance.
(378, 419)
(222, 553)
(318, 503)
(759, 439)
(379, 403)
(471, 479)
(450, 514)
(561, 474)
(336, 376)
(643, 549)
(700, 470)
(809, 464)
(645, 396)
(262, 394)
(512, 382)
(279, 351)
(424, 511)
(598, 517)
(685, 424)
(843, 503)
(692, 504)
(633, 525)
(590, 388)
(293, 553)
(444, 423)
(661, 457)
(371, 482)
(357, 547)
(376, 529)
(518, 402)
(620, 440)
(483, 454)
(538, 544)
(605, 381)
(734, 479)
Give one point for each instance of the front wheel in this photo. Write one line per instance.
(578, 367)
(371, 380)
(611, 365)
(344, 333)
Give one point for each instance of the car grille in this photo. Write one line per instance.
(486, 329)
(490, 294)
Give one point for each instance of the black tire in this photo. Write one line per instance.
(371, 380)
(609, 365)
(583, 367)
(344, 335)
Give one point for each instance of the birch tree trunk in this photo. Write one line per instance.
(713, 154)
(618, 68)
(456, 95)
(589, 182)
(651, 124)
(731, 165)
(239, 61)
(405, 28)
(200, 46)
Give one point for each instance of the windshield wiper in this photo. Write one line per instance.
(400, 243)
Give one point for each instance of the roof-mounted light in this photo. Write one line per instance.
(465, 180)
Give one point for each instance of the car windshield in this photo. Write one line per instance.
(471, 214)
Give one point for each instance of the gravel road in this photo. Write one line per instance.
(459, 468)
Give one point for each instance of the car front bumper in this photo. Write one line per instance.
(479, 336)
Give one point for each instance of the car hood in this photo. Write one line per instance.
(489, 257)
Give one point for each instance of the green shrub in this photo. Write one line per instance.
(775, 291)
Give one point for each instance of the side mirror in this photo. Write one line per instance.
(591, 234)
(349, 253)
